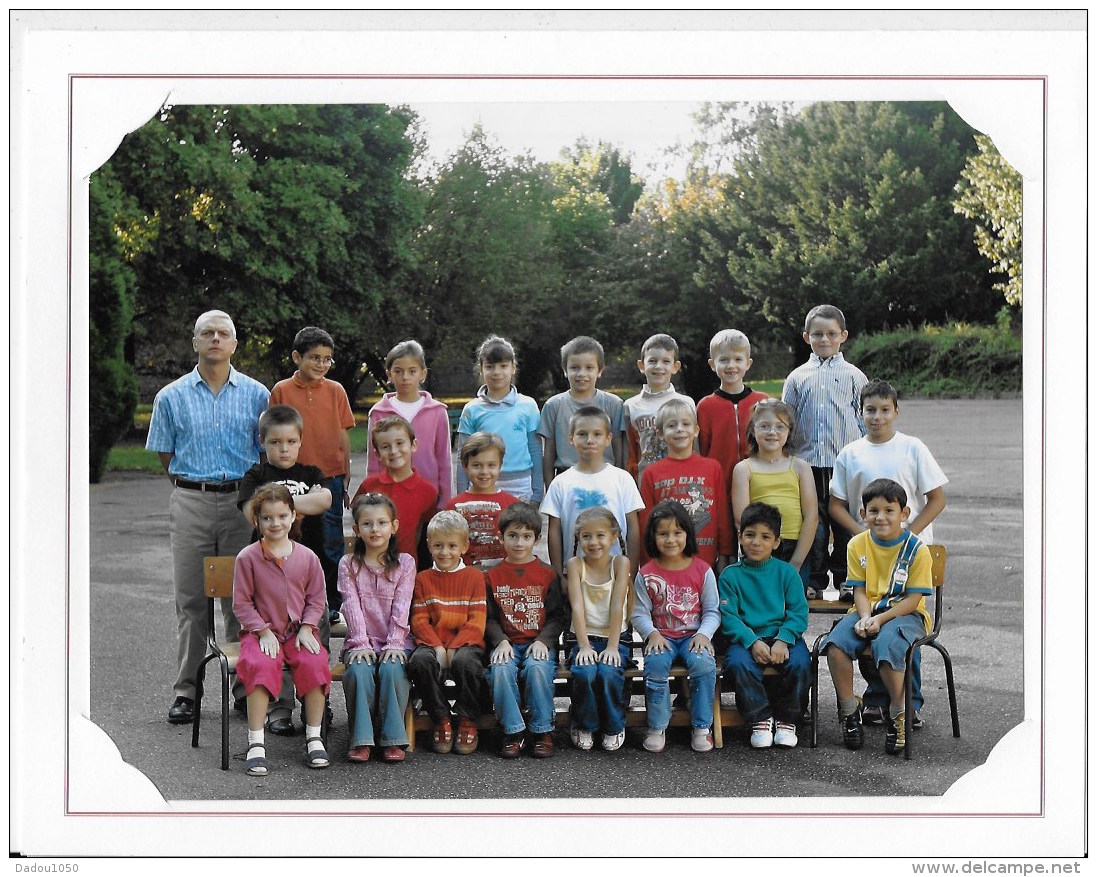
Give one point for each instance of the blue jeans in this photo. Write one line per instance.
(537, 677)
(598, 690)
(702, 683)
(334, 545)
(373, 689)
(751, 696)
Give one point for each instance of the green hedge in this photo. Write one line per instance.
(954, 361)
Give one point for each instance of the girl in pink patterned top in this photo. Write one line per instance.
(376, 582)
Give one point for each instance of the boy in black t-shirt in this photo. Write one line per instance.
(280, 429)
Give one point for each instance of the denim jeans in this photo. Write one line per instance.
(334, 544)
(537, 677)
(867, 655)
(374, 690)
(598, 690)
(702, 683)
(751, 695)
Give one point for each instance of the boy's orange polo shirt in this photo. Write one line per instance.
(327, 415)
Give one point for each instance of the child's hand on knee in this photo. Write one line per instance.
(396, 656)
(268, 642)
(503, 654)
(611, 657)
(656, 644)
(586, 655)
(701, 643)
(538, 651)
(361, 656)
(306, 640)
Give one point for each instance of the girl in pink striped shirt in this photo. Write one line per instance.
(376, 582)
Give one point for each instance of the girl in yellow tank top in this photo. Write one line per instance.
(772, 476)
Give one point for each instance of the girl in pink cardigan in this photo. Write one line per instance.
(406, 368)
(376, 582)
(278, 596)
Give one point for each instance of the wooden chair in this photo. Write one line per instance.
(939, 555)
(218, 585)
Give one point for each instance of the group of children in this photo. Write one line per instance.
(675, 522)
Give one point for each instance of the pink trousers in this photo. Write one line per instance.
(255, 669)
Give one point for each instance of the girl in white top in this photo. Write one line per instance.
(598, 584)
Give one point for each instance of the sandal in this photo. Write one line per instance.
(257, 766)
(467, 737)
(443, 736)
(316, 757)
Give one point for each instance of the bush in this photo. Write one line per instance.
(958, 360)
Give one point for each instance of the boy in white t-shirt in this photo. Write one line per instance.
(591, 482)
(884, 452)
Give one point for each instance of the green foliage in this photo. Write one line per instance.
(957, 360)
(846, 203)
(133, 458)
(284, 216)
(112, 384)
(990, 194)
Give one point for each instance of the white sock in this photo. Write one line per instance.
(255, 738)
(311, 731)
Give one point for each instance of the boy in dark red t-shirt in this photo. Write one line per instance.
(526, 614)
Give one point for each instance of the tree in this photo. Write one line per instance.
(112, 383)
(281, 215)
(989, 193)
(847, 203)
(486, 256)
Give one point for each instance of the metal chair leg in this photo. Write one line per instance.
(224, 663)
(951, 686)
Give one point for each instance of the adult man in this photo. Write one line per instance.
(205, 429)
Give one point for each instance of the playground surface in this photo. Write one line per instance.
(977, 442)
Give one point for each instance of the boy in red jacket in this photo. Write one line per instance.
(723, 417)
(448, 611)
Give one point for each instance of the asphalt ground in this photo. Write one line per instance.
(978, 444)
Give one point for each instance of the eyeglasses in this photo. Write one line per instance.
(316, 359)
(770, 427)
(824, 336)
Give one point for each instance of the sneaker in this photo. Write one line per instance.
(543, 746)
(513, 744)
(761, 735)
(853, 734)
(701, 739)
(845, 593)
(785, 735)
(655, 741)
(581, 739)
(613, 742)
(895, 737)
(872, 715)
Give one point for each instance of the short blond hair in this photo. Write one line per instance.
(728, 339)
(448, 521)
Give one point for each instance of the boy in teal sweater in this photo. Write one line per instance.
(764, 614)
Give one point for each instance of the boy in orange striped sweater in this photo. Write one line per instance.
(448, 611)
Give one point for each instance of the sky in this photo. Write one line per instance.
(644, 129)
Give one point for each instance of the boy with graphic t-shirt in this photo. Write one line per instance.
(483, 503)
(658, 363)
(694, 481)
(526, 614)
